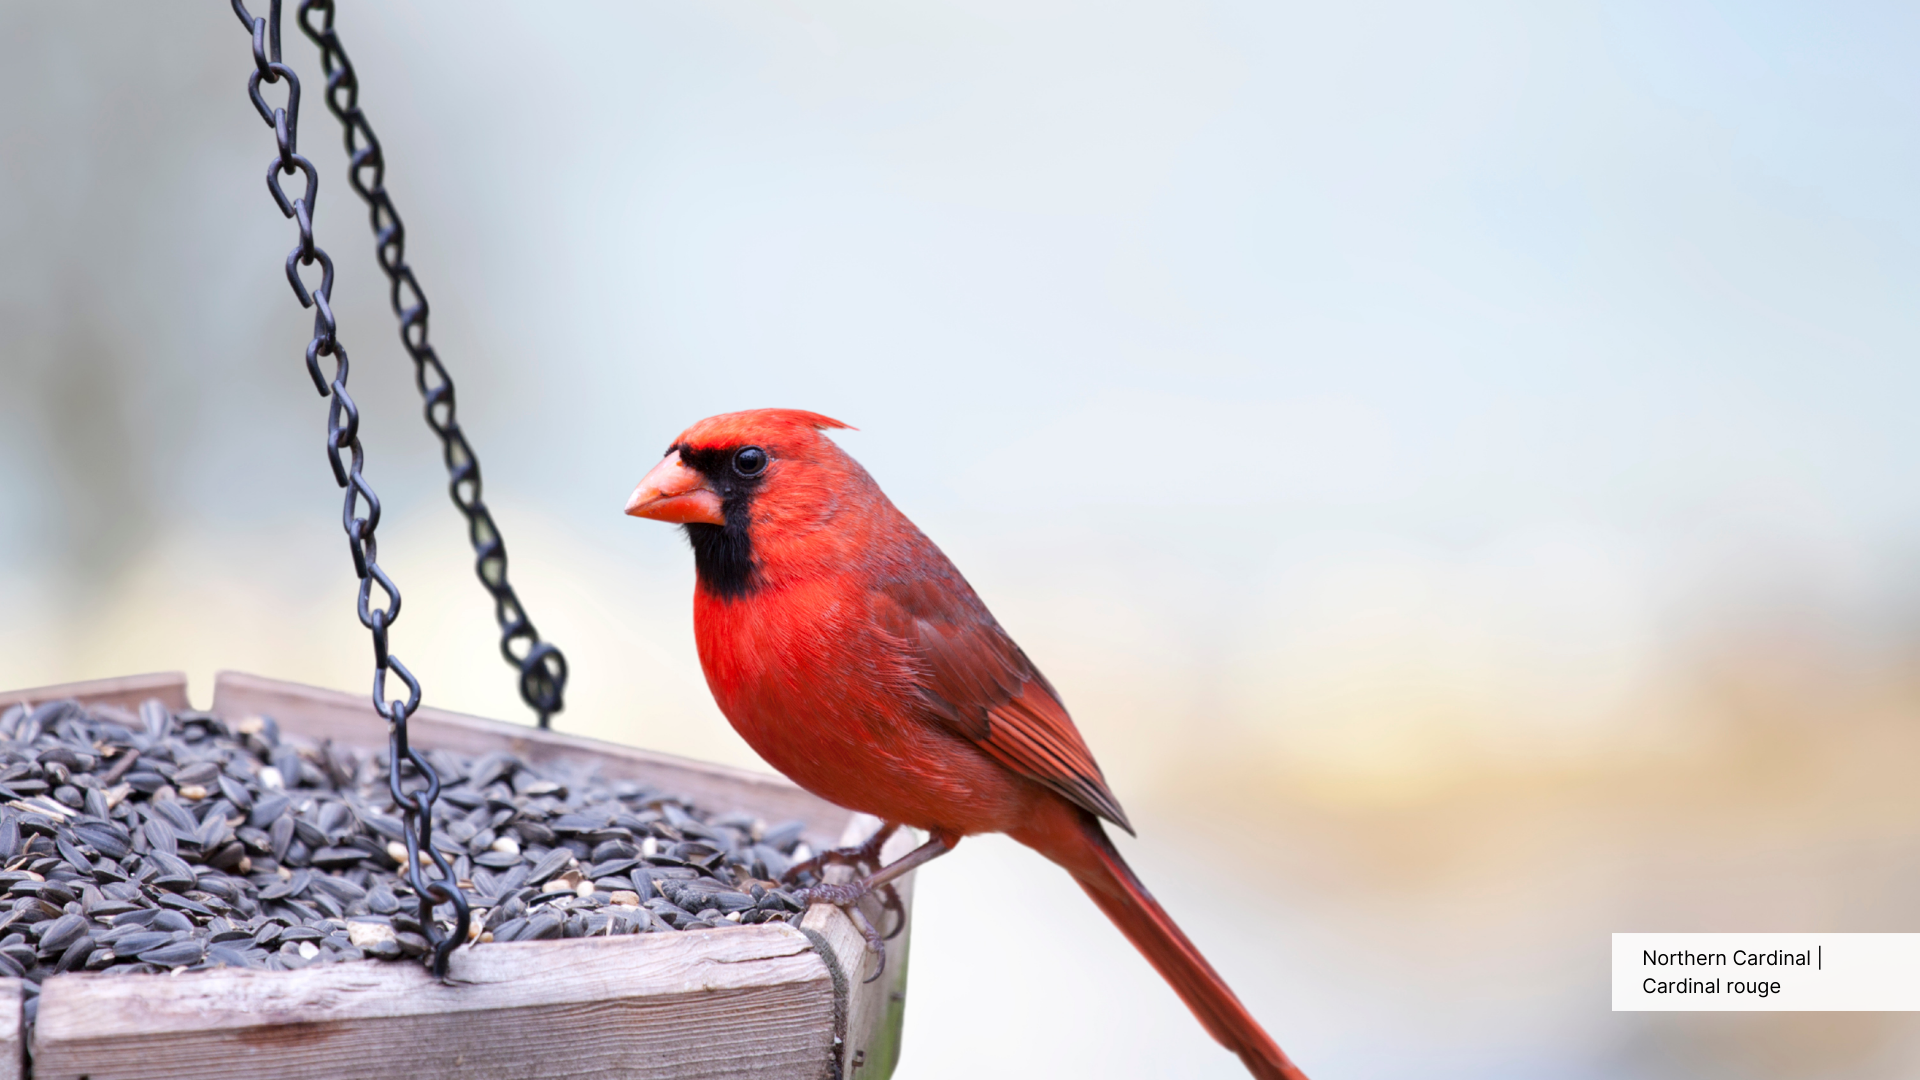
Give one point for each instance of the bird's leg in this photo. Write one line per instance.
(860, 857)
(847, 896)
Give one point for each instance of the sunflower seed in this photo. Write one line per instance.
(171, 920)
(550, 864)
(340, 889)
(186, 904)
(380, 899)
(267, 809)
(75, 955)
(182, 819)
(160, 835)
(337, 858)
(227, 955)
(177, 954)
(62, 932)
(200, 772)
(109, 838)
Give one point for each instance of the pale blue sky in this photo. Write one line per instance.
(1633, 264)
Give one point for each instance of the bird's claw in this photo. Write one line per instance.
(847, 898)
(890, 901)
(875, 943)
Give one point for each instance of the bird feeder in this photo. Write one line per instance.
(767, 1001)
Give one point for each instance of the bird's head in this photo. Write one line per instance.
(739, 477)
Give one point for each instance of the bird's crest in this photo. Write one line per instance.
(756, 425)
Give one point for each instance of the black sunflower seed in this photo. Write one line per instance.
(280, 835)
(177, 954)
(212, 832)
(380, 900)
(338, 858)
(552, 863)
(235, 792)
(199, 772)
(182, 903)
(161, 835)
(75, 955)
(227, 956)
(109, 838)
(178, 816)
(62, 932)
(340, 889)
(73, 855)
(171, 920)
(268, 808)
(308, 831)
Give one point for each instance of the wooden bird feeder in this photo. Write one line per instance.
(766, 1001)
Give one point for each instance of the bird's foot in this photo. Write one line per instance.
(847, 896)
(839, 895)
(863, 857)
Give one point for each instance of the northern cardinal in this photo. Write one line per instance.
(846, 649)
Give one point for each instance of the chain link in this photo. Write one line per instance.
(360, 512)
(543, 670)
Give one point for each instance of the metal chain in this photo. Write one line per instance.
(543, 670)
(343, 426)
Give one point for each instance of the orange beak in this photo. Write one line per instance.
(674, 493)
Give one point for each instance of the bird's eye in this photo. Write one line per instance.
(750, 461)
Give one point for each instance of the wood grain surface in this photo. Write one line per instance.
(126, 691)
(13, 1049)
(753, 1001)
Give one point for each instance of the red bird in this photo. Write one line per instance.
(846, 649)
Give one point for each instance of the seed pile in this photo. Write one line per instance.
(168, 840)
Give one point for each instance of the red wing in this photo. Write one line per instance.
(978, 683)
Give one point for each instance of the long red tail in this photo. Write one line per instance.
(1076, 840)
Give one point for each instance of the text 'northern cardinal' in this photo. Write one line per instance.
(848, 651)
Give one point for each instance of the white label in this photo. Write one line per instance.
(1766, 973)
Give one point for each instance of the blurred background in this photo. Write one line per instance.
(1456, 461)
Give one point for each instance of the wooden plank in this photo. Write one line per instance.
(317, 714)
(126, 691)
(752, 1001)
(13, 1056)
